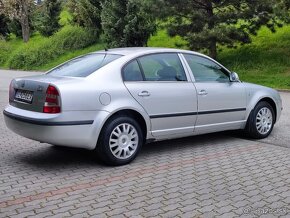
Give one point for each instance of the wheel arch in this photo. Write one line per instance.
(133, 114)
(270, 101)
(130, 113)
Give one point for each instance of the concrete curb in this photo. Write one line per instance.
(283, 90)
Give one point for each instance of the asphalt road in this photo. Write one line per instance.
(280, 135)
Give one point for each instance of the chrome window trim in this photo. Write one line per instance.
(207, 58)
(188, 79)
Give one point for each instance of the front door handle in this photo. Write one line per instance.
(144, 94)
(202, 92)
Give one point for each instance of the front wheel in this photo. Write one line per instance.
(261, 121)
(120, 141)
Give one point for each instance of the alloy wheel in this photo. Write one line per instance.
(264, 120)
(124, 141)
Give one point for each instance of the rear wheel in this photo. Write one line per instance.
(261, 121)
(120, 141)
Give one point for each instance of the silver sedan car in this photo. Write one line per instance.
(113, 101)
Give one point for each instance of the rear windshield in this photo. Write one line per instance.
(83, 66)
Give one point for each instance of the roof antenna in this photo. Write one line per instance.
(106, 49)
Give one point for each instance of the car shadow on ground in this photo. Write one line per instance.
(177, 144)
(53, 157)
(50, 157)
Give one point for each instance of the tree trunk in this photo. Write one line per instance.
(213, 49)
(24, 21)
(211, 24)
(25, 29)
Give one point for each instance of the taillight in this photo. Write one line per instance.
(52, 101)
(11, 91)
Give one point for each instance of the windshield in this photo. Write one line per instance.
(83, 66)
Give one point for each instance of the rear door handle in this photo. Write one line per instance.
(144, 94)
(202, 92)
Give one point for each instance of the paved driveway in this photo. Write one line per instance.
(216, 175)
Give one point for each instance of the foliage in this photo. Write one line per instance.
(14, 27)
(19, 10)
(193, 23)
(204, 24)
(47, 17)
(127, 23)
(16, 8)
(265, 61)
(47, 49)
(72, 37)
(4, 30)
(69, 55)
(282, 10)
(86, 13)
(65, 17)
(5, 48)
(162, 39)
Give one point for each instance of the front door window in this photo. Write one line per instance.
(162, 67)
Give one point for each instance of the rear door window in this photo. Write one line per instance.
(132, 72)
(83, 66)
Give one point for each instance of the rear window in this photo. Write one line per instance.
(83, 66)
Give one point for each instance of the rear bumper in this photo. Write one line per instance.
(40, 122)
(80, 132)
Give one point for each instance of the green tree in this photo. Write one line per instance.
(127, 23)
(4, 31)
(206, 23)
(47, 17)
(14, 27)
(282, 10)
(86, 13)
(19, 10)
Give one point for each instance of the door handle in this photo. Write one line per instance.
(144, 94)
(202, 92)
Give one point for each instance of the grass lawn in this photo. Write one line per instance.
(266, 61)
(70, 55)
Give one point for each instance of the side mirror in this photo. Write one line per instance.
(234, 77)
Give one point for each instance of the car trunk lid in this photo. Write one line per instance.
(32, 93)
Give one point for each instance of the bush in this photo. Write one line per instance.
(69, 38)
(5, 49)
(73, 37)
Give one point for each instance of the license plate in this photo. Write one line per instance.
(24, 96)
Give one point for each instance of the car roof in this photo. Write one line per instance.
(134, 50)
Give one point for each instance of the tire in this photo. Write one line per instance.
(261, 121)
(120, 141)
